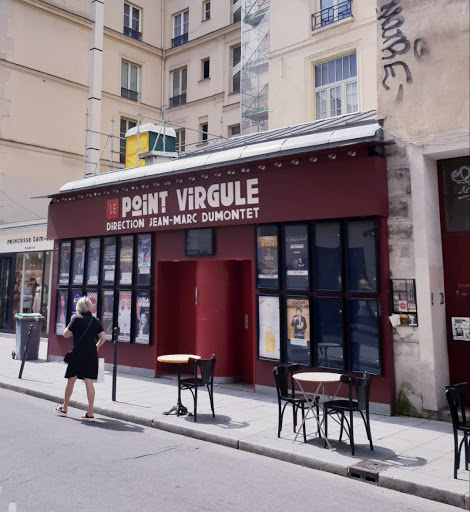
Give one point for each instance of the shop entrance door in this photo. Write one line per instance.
(454, 192)
(6, 263)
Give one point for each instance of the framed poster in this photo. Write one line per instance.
(404, 301)
(93, 296)
(460, 328)
(269, 327)
(75, 294)
(61, 311)
(78, 261)
(107, 312)
(93, 261)
(199, 242)
(296, 257)
(109, 260)
(124, 315)
(144, 259)
(298, 330)
(126, 257)
(267, 256)
(65, 253)
(142, 317)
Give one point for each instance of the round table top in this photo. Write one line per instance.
(317, 377)
(177, 358)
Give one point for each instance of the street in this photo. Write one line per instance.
(59, 464)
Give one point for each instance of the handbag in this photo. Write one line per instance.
(70, 357)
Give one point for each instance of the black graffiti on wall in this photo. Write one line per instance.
(396, 45)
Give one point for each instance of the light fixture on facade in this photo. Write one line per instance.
(294, 161)
(191, 178)
(278, 164)
(167, 183)
(332, 156)
(261, 167)
(245, 169)
(218, 174)
(313, 159)
(352, 152)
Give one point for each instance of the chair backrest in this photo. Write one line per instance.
(206, 369)
(454, 394)
(362, 387)
(282, 374)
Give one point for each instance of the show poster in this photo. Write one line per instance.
(124, 315)
(461, 328)
(107, 313)
(126, 254)
(296, 257)
(298, 330)
(267, 257)
(75, 294)
(142, 317)
(93, 262)
(269, 328)
(144, 258)
(109, 260)
(61, 312)
(78, 261)
(64, 262)
(93, 296)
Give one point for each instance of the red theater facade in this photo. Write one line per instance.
(259, 252)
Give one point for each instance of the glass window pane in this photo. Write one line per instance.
(331, 71)
(296, 257)
(457, 213)
(327, 256)
(363, 335)
(133, 84)
(346, 72)
(185, 22)
(126, 259)
(351, 97)
(124, 80)
(329, 338)
(183, 80)
(361, 256)
(339, 69)
(176, 83)
(267, 256)
(127, 9)
(335, 101)
(324, 73)
(456, 176)
(353, 65)
(78, 261)
(177, 25)
(317, 75)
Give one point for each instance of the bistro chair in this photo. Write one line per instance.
(283, 376)
(459, 421)
(205, 378)
(361, 386)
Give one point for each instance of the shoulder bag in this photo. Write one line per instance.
(69, 357)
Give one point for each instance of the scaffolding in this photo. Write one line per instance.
(255, 29)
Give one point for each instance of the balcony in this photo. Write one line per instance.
(178, 100)
(329, 15)
(179, 40)
(130, 32)
(128, 94)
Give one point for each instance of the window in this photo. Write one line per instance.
(129, 80)
(132, 22)
(206, 11)
(336, 87)
(180, 29)
(204, 127)
(180, 140)
(234, 130)
(237, 10)
(205, 68)
(331, 11)
(125, 125)
(236, 68)
(178, 87)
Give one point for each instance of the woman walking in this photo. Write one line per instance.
(86, 330)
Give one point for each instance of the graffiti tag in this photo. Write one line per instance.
(461, 176)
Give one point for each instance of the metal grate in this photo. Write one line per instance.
(367, 471)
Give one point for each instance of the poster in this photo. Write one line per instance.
(296, 257)
(144, 259)
(461, 328)
(267, 257)
(64, 262)
(107, 313)
(61, 311)
(142, 317)
(93, 262)
(126, 254)
(93, 296)
(78, 261)
(298, 330)
(404, 301)
(75, 294)
(269, 320)
(109, 260)
(124, 315)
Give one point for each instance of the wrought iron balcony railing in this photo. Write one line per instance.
(135, 34)
(178, 100)
(329, 15)
(179, 40)
(130, 95)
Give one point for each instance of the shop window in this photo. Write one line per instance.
(132, 17)
(129, 80)
(336, 87)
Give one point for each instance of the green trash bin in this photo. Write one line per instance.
(23, 323)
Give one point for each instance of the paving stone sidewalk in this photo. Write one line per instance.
(411, 455)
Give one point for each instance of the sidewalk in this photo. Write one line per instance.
(411, 455)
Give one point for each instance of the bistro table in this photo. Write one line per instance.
(319, 378)
(179, 409)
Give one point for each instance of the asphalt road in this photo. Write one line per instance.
(54, 464)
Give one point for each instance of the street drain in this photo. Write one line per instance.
(367, 471)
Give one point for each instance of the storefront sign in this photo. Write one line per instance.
(24, 243)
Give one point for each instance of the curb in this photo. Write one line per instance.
(387, 482)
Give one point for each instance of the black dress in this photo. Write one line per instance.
(85, 329)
